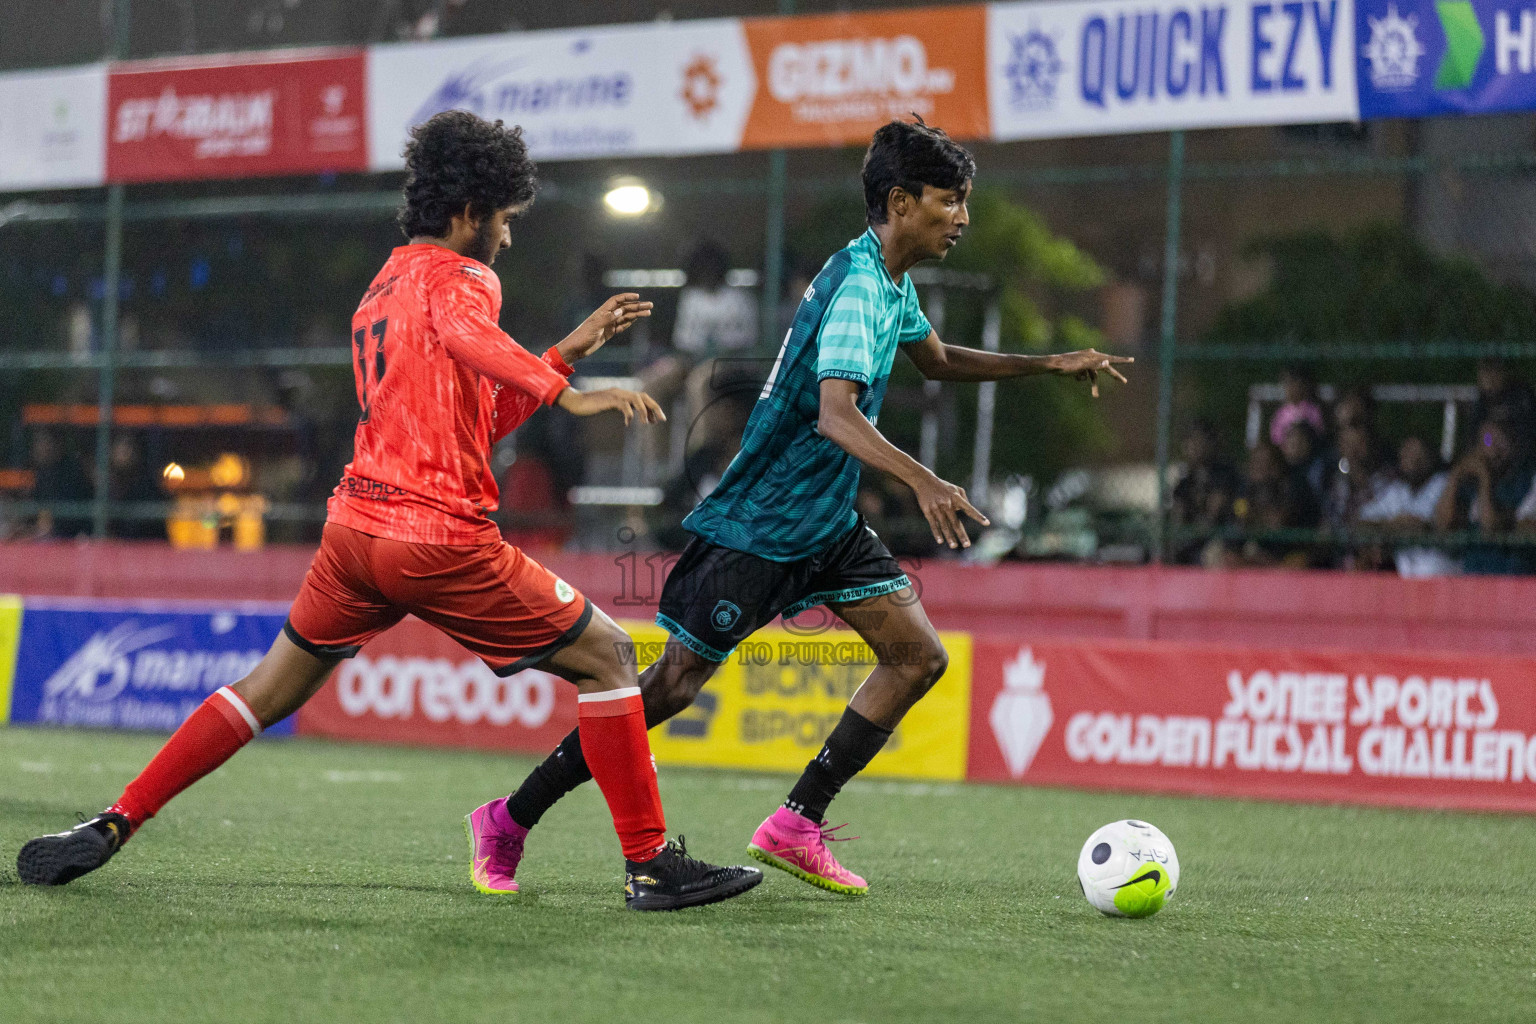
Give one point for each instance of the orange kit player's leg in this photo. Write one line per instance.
(338, 610)
(514, 613)
(336, 603)
(498, 603)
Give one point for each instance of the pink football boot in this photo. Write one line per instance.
(495, 848)
(794, 843)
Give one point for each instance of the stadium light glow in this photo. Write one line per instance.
(629, 198)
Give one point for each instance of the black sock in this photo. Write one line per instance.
(852, 745)
(559, 773)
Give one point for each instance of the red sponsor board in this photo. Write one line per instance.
(416, 687)
(1421, 730)
(282, 113)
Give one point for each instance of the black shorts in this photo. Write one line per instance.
(716, 597)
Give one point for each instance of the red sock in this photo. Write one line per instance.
(614, 744)
(209, 737)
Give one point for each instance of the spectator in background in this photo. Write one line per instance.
(1304, 457)
(1499, 388)
(893, 512)
(1275, 497)
(59, 477)
(1355, 408)
(1525, 515)
(1406, 505)
(1301, 404)
(590, 292)
(797, 283)
(1486, 488)
(712, 317)
(553, 437)
(716, 328)
(1358, 476)
(535, 518)
(1203, 497)
(131, 480)
(702, 469)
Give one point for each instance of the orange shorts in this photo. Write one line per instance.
(492, 598)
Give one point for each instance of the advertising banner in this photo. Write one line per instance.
(10, 636)
(831, 80)
(415, 686)
(284, 112)
(133, 666)
(1423, 730)
(1023, 70)
(772, 705)
(659, 88)
(53, 128)
(1089, 68)
(1420, 59)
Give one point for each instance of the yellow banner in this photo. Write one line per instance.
(773, 703)
(10, 640)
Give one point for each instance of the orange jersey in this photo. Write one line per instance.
(438, 381)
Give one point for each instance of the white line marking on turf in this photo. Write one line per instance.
(366, 776)
(37, 767)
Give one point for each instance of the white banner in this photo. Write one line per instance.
(1091, 68)
(677, 88)
(53, 127)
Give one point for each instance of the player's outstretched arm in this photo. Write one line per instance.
(938, 361)
(840, 421)
(630, 403)
(615, 316)
(463, 307)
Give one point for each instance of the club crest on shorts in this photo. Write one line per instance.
(563, 590)
(724, 616)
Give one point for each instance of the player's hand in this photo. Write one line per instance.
(613, 317)
(942, 502)
(629, 403)
(1088, 364)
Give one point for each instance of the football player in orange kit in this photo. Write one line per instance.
(407, 530)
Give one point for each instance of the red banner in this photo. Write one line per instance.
(289, 113)
(1423, 730)
(414, 686)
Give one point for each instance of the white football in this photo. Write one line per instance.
(1128, 869)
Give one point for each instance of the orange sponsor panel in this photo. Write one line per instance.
(35, 413)
(134, 415)
(229, 415)
(834, 79)
(182, 415)
(83, 415)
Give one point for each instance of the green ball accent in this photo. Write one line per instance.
(1145, 894)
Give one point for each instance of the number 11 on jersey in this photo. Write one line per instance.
(360, 342)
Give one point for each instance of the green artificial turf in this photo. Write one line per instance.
(316, 881)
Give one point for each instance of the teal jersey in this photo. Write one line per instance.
(789, 492)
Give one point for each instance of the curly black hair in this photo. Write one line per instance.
(911, 155)
(456, 159)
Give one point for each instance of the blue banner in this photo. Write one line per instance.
(1420, 58)
(1087, 67)
(133, 667)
